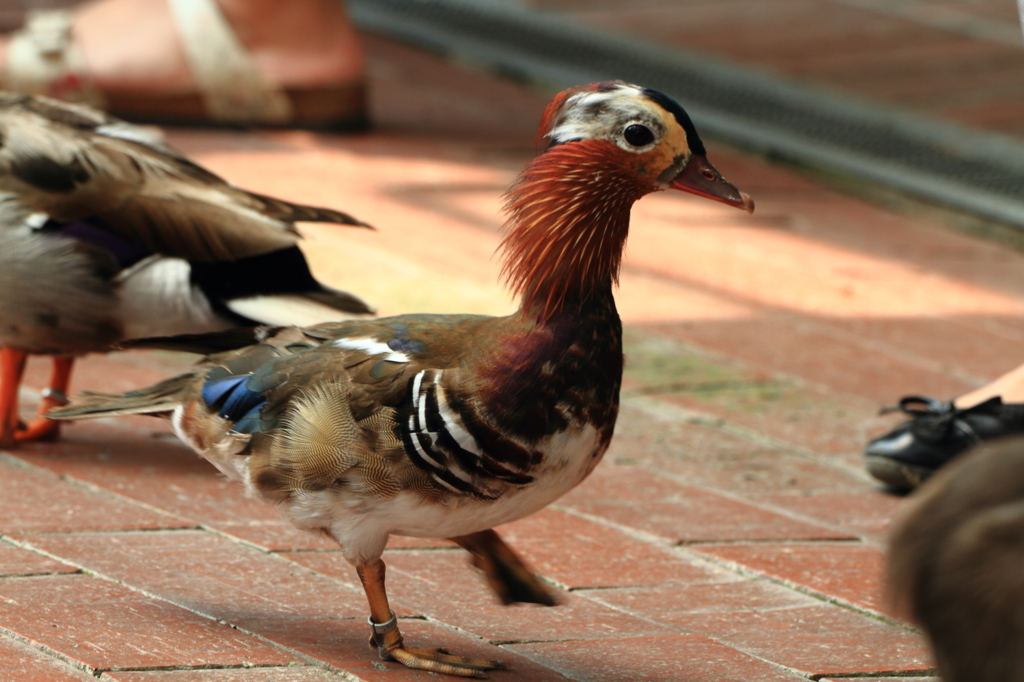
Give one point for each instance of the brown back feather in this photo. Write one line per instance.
(72, 162)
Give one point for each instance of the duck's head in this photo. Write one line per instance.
(602, 147)
(645, 131)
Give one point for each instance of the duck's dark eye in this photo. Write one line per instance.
(638, 135)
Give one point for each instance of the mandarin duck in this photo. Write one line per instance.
(445, 426)
(107, 233)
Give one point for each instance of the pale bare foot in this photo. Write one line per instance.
(133, 45)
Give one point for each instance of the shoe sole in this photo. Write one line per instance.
(896, 474)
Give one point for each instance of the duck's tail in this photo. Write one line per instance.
(159, 399)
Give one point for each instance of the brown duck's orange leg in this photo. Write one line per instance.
(505, 572)
(12, 368)
(386, 638)
(56, 395)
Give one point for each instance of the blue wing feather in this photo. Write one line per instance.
(215, 391)
(250, 421)
(230, 397)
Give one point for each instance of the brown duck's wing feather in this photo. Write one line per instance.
(378, 357)
(297, 213)
(71, 162)
(327, 417)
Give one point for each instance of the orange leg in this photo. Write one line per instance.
(386, 638)
(56, 395)
(12, 367)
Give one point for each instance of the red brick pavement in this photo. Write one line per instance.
(729, 535)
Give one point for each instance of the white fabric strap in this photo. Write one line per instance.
(226, 75)
(1020, 13)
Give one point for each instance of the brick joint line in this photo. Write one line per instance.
(210, 666)
(931, 672)
(47, 651)
(85, 485)
(103, 531)
(748, 572)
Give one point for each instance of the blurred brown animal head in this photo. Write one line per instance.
(956, 564)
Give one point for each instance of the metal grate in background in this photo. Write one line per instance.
(970, 170)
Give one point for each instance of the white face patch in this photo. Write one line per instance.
(372, 347)
(606, 115)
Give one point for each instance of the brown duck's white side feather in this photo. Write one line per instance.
(448, 425)
(158, 298)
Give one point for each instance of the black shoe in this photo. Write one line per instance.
(936, 433)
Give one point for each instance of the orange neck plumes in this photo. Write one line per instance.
(567, 226)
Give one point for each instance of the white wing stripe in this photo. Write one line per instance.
(420, 451)
(416, 382)
(459, 473)
(453, 423)
(445, 483)
(422, 415)
(372, 347)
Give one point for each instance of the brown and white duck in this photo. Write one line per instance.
(107, 233)
(449, 425)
